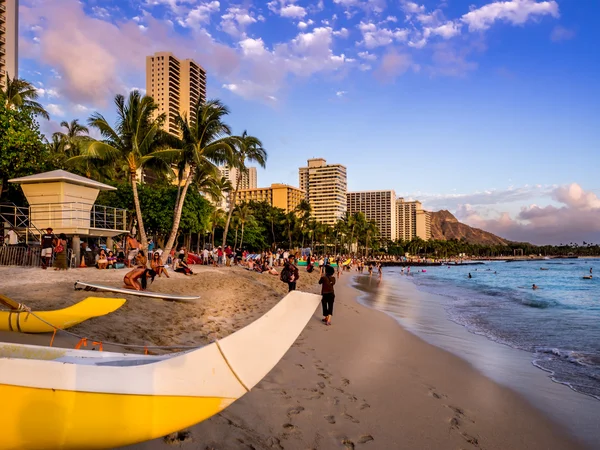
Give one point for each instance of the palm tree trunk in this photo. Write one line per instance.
(138, 209)
(235, 241)
(273, 233)
(213, 237)
(242, 238)
(231, 208)
(176, 217)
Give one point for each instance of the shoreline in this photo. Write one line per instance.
(364, 382)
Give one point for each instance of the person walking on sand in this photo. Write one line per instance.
(134, 248)
(60, 262)
(47, 245)
(327, 281)
(289, 273)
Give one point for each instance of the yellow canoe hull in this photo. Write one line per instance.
(54, 419)
(24, 322)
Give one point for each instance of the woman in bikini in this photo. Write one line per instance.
(138, 278)
(157, 265)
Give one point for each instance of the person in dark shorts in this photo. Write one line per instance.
(47, 244)
(289, 273)
(327, 282)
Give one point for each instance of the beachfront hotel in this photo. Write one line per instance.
(175, 85)
(412, 221)
(379, 206)
(277, 195)
(248, 180)
(9, 39)
(325, 186)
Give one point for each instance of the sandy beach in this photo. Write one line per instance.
(364, 382)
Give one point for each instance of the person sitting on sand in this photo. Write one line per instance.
(137, 278)
(140, 259)
(157, 265)
(327, 281)
(102, 262)
(112, 260)
(182, 267)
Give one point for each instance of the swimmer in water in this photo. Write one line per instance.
(470, 276)
(534, 287)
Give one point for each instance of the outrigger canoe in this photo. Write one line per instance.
(80, 399)
(18, 319)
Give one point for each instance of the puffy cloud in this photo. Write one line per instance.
(235, 21)
(293, 11)
(576, 218)
(367, 56)
(561, 34)
(341, 93)
(55, 110)
(447, 30)
(373, 36)
(200, 14)
(412, 7)
(343, 33)
(516, 12)
(304, 25)
(369, 6)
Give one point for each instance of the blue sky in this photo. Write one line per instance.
(489, 109)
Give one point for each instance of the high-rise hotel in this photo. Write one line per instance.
(397, 220)
(412, 221)
(379, 206)
(9, 39)
(248, 180)
(175, 85)
(325, 186)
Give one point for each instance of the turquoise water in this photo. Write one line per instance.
(559, 323)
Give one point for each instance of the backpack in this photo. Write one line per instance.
(285, 275)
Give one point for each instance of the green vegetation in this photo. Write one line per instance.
(180, 177)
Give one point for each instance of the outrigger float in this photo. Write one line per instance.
(20, 319)
(80, 399)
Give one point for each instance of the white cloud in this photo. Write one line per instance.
(304, 25)
(341, 93)
(447, 31)
(55, 110)
(516, 12)
(373, 36)
(81, 108)
(368, 56)
(412, 7)
(292, 12)
(235, 21)
(343, 32)
(200, 15)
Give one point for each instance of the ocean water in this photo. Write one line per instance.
(559, 323)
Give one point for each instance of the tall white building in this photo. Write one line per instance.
(412, 221)
(325, 186)
(379, 206)
(248, 180)
(9, 39)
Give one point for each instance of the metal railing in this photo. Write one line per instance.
(78, 215)
(17, 219)
(26, 256)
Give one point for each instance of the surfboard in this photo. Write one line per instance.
(98, 287)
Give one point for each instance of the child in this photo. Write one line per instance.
(327, 281)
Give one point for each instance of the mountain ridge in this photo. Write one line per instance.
(445, 227)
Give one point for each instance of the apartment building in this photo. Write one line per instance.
(379, 206)
(325, 186)
(9, 39)
(248, 180)
(175, 85)
(412, 221)
(277, 195)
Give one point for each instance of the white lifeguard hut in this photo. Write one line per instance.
(66, 203)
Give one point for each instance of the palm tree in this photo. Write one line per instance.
(246, 149)
(216, 220)
(303, 211)
(21, 94)
(289, 220)
(71, 140)
(206, 141)
(243, 215)
(272, 216)
(128, 144)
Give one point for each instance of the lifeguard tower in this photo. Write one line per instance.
(66, 203)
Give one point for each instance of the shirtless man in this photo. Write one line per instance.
(137, 278)
(134, 247)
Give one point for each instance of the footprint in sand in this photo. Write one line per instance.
(321, 385)
(365, 406)
(289, 427)
(345, 381)
(178, 438)
(273, 442)
(350, 418)
(330, 419)
(300, 365)
(348, 444)
(295, 411)
(365, 438)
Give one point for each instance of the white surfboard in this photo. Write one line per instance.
(98, 287)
